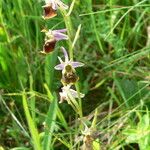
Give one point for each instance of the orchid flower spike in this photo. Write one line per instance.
(51, 7)
(51, 37)
(67, 64)
(67, 92)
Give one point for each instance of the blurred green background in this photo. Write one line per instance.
(114, 44)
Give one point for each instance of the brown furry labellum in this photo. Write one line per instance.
(49, 46)
(69, 76)
(49, 12)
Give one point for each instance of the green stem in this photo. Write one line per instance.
(80, 100)
(70, 31)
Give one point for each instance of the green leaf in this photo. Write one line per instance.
(96, 145)
(31, 124)
(50, 124)
(144, 123)
(20, 148)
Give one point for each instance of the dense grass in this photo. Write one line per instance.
(112, 39)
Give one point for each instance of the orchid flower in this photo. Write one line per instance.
(51, 7)
(49, 12)
(67, 63)
(66, 91)
(52, 36)
(56, 4)
(89, 137)
(56, 34)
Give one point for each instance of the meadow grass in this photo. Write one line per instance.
(112, 39)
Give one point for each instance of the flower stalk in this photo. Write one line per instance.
(68, 67)
(70, 31)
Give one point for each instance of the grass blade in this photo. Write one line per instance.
(50, 124)
(31, 124)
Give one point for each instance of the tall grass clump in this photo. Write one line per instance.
(74, 75)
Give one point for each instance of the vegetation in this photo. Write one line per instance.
(112, 39)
